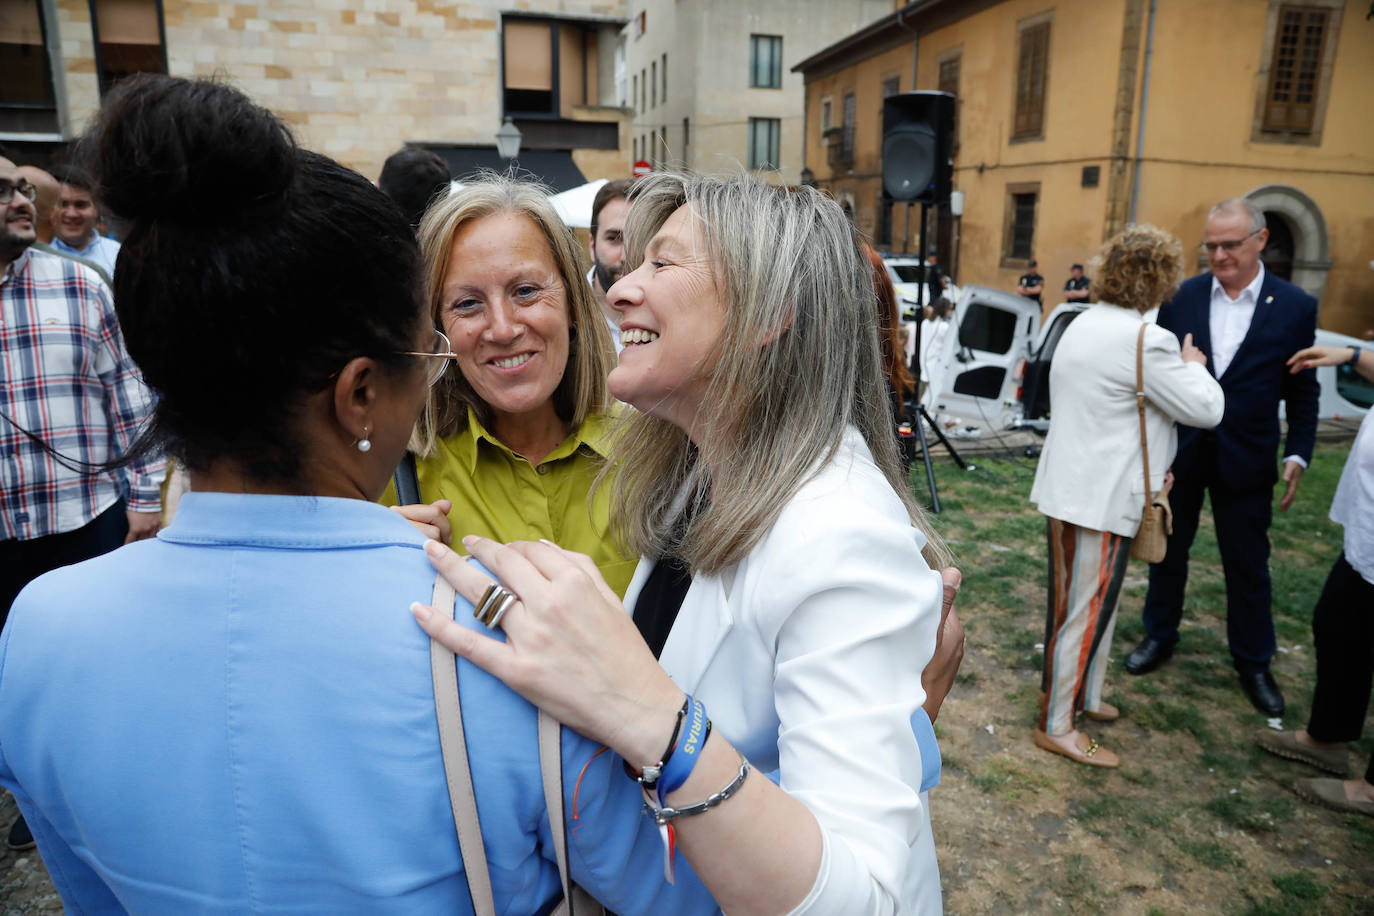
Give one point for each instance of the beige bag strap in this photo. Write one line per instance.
(551, 766)
(1140, 407)
(447, 707)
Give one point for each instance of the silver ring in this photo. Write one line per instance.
(500, 611)
(493, 604)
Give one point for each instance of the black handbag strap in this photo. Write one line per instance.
(407, 480)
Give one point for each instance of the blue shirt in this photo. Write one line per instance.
(101, 250)
(238, 716)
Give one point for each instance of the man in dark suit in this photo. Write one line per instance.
(1248, 322)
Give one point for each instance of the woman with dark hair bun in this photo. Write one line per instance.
(233, 717)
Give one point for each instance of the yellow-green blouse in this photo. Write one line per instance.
(498, 494)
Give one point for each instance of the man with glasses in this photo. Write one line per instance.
(1247, 322)
(71, 399)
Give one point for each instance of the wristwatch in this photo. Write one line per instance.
(1354, 356)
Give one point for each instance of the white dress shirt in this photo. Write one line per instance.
(1229, 320)
(613, 325)
(1353, 505)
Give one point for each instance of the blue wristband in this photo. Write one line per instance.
(679, 767)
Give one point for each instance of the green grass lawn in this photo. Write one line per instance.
(1197, 818)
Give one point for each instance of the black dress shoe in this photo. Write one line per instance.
(1263, 691)
(1148, 656)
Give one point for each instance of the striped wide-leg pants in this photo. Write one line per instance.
(1086, 571)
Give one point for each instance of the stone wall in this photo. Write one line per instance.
(356, 79)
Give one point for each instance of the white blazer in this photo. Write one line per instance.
(808, 656)
(1090, 471)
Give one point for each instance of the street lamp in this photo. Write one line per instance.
(508, 140)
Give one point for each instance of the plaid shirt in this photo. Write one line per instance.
(65, 377)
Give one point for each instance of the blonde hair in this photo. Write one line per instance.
(582, 390)
(1138, 268)
(787, 264)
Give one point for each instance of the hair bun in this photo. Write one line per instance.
(192, 151)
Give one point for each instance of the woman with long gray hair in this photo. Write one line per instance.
(787, 582)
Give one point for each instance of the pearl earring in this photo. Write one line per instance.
(364, 444)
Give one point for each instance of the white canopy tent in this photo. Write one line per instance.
(575, 204)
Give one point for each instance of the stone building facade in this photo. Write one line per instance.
(355, 79)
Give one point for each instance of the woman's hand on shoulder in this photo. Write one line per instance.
(570, 647)
(431, 520)
(1191, 354)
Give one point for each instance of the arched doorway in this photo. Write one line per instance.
(1278, 251)
(1299, 249)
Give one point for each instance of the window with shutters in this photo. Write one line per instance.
(128, 39)
(1032, 78)
(529, 67)
(890, 87)
(847, 138)
(28, 103)
(1018, 227)
(949, 82)
(1296, 70)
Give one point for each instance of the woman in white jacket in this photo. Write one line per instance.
(1090, 480)
(783, 578)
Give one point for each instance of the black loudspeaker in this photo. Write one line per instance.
(918, 130)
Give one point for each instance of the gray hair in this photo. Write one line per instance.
(1232, 204)
(591, 356)
(787, 264)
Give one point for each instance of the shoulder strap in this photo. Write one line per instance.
(448, 709)
(1140, 406)
(575, 900)
(551, 766)
(407, 480)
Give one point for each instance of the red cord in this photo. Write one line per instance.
(577, 787)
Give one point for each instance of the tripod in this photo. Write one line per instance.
(922, 417)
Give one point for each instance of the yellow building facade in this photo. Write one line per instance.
(1075, 117)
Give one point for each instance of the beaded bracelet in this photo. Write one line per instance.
(648, 777)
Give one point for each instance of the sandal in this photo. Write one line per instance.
(1092, 754)
(1105, 712)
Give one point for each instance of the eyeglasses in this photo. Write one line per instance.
(1230, 245)
(443, 352)
(25, 190)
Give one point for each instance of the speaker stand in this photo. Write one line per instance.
(922, 417)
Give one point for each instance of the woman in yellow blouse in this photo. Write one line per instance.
(510, 443)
